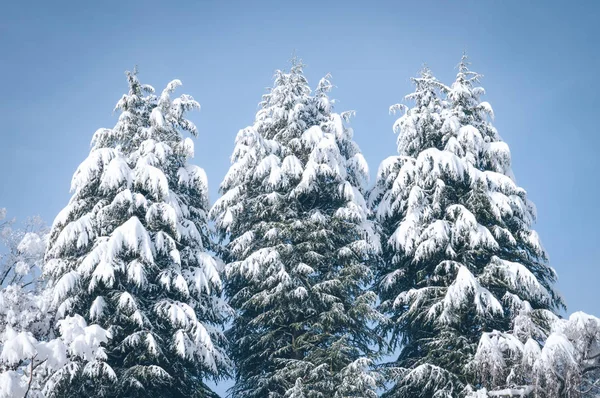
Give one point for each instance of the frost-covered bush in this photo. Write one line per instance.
(565, 363)
(24, 311)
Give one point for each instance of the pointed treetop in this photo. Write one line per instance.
(427, 87)
(297, 64)
(287, 87)
(135, 88)
(465, 75)
(464, 63)
(425, 72)
(426, 78)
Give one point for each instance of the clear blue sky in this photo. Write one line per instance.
(62, 64)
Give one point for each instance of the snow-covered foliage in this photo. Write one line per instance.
(32, 367)
(123, 296)
(566, 364)
(425, 380)
(130, 253)
(459, 255)
(31, 356)
(21, 251)
(298, 243)
(24, 310)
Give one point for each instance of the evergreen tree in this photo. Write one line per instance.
(459, 257)
(131, 253)
(297, 246)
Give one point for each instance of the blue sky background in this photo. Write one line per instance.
(62, 64)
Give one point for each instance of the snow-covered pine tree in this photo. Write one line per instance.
(459, 255)
(298, 243)
(131, 253)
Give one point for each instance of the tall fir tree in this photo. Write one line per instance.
(459, 257)
(131, 253)
(297, 246)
